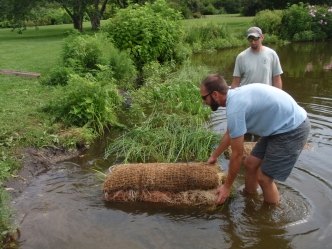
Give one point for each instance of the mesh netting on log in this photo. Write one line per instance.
(247, 148)
(172, 183)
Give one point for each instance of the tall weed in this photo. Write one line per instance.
(178, 93)
(210, 36)
(86, 102)
(164, 138)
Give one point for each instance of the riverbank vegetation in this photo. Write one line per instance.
(134, 75)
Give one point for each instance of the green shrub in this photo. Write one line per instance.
(155, 73)
(150, 32)
(210, 36)
(58, 76)
(123, 68)
(307, 23)
(321, 21)
(85, 102)
(269, 21)
(84, 52)
(296, 20)
(48, 15)
(307, 35)
(96, 55)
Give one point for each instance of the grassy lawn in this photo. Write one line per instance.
(234, 22)
(35, 50)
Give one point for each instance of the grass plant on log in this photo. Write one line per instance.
(164, 138)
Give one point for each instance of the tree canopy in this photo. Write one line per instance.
(16, 12)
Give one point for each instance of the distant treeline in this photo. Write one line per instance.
(21, 13)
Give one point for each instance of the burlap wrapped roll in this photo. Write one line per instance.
(173, 183)
(247, 148)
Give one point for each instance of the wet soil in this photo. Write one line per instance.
(35, 162)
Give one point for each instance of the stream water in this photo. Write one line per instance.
(63, 208)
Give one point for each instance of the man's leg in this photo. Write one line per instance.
(270, 190)
(251, 165)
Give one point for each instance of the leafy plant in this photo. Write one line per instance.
(210, 36)
(149, 32)
(269, 21)
(86, 102)
(84, 53)
(122, 67)
(58, 76)
(295, 20)
(321, 21)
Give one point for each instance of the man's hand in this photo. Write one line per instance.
(212, 160)
(222, 194)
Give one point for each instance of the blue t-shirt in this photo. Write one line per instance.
(262, 110)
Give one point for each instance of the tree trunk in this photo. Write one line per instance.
(76, 12)
(78, 22)
(95, 22)
(95, 14)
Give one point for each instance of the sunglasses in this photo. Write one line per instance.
(252, 38)
(205, 96)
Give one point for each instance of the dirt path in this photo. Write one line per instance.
(19, 73)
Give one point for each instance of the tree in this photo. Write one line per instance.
(95, 12)
(17, 11)
(76, 10)
(251, 7)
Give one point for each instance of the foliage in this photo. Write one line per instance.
(48, 15)
(164, 138)
(122, 67)
(295, 20)
(269, 21)
(86, 102)
(178, 93)
(149, 32)
(94, 54)
(321, 21)
(58, 76)
(5, 215)
(155, 73)
(84, 53)
(251, 7)
(306, 23)
(210, 36)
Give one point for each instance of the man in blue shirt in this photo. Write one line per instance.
(265, 111)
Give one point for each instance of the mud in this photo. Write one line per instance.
(35, 162)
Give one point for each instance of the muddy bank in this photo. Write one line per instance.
(35, 162)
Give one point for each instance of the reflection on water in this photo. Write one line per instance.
(64, 208)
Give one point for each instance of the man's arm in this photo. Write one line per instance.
(277, 81)
(223, 145)
(236, 82)
(233, 169)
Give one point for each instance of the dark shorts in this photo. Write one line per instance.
(280, 152)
